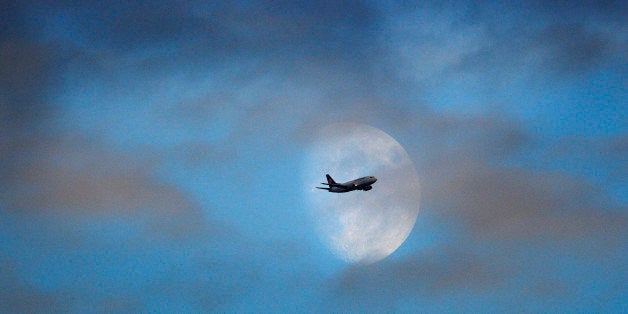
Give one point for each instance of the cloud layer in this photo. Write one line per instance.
(142, 147)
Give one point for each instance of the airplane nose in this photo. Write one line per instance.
(374, 179)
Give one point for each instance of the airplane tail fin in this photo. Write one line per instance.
(330, 181)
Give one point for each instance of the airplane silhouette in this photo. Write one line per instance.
(363, 184)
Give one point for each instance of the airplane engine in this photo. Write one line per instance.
(366, 188)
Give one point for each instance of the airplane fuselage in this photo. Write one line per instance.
(364, 184)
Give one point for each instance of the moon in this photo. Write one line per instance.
(361, 226)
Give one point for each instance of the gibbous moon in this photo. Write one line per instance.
(361, 226)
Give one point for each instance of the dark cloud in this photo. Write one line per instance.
(218, 29)
(20, 297)
(103, 216)
(199, 154)
(510, 204)
(433, 274)
(78, 176)
(583, 10)
(561, 50)
(574, 49)
(492, 50)
(27, 70)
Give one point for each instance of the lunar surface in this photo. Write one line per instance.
(361, 226)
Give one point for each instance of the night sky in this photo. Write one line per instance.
(152, 154)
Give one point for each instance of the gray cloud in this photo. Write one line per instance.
(269, 29)
(574, 49)
(20, 297)
(78, 174)
(510, 204)
(102, 215)
(27, 71)
(432, 275)
(563, 50)
(491, 51)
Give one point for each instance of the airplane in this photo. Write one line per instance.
(363, 184)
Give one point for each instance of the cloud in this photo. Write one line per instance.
(27, 72)
(206, 31)
(485, 54)
(420, 279)
(506, 231)
(108, 221)
(20, 297)
(511, 204)
(574, 49)
(100, 102)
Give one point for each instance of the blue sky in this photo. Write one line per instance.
(153, 153)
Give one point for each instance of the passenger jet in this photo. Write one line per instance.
(363, 184)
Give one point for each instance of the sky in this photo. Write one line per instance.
(152, 154)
